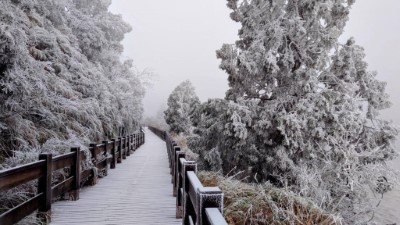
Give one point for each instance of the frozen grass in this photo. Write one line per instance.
(181, 140)
(263, 204)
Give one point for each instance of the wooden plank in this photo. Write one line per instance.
(14, 215)
(63, 187)
(18, 175)
(62, 161)
(102, 164)
(128, 195)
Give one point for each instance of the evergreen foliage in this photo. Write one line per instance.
(181, 103)
(302, 110)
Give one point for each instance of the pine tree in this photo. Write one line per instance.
(302, 110)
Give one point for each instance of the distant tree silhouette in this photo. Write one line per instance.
(181, 102)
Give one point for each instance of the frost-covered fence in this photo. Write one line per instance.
(195, 204)
(71, 164)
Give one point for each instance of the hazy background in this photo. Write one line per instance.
(177, 39)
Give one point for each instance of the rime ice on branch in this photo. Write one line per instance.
(62, 81)
(302, 109)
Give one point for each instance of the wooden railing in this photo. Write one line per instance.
(102, 155)
(195, 204)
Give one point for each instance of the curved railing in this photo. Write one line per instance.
(195, 204)
(102, 155)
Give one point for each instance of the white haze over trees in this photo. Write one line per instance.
(62, 81)
(302, 109)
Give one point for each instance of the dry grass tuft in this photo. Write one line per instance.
(181, 140)
(264, 204)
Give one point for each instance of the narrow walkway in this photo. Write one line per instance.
(138, 191)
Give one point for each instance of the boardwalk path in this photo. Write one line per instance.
(139, 191)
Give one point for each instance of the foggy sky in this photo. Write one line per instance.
(177, 39)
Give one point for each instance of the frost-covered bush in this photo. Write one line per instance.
(62, 81)
(181, 102)
(302, 110)
(264, 204)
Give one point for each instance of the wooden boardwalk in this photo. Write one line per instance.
(138, 191)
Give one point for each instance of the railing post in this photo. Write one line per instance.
(76, 172)
(128, 150)
(123, 148)
(113, 154)
(176, 149)
(128, 145)
(168, 144)
(105, 156)
(92, 148)
(135, 141)
(119, 160)
(44, 187)
(179, 154)
(208, 197)
(186, 207)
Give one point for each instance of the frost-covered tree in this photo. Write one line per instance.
(181, 102)
(62, 81)
(302, 109)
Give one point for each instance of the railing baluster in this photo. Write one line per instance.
(123, 147)
(119, 159)
(179, 155)
(105, 157)
(188, 206)
(114, 154)
(76, 172)
(208, 197)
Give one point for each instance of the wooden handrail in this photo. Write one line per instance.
(214, 216)
(195, 204)
(43, 169)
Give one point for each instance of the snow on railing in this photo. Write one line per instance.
(195, 204)
(107, 153)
